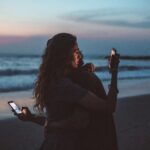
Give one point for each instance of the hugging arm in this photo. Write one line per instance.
(96, 100)
(80, 117)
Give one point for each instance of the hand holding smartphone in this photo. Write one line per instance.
(23, 114)
(114, 59)
(14, 107)
(113, 52)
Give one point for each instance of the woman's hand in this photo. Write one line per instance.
(114, 62)
(26, 115)
(89, 67)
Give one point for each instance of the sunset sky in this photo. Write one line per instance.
(26, 25)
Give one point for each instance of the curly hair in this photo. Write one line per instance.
(56, 61)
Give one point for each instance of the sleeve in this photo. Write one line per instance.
(71, 92)
(99, 88)
(90, 82)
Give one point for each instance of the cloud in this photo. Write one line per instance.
(123, 23)
(112, 17)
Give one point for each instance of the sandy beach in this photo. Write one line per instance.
(17, 135)
(133, 123)
(131, 117)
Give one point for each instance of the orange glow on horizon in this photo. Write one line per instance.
(25, 29)
(89, 31)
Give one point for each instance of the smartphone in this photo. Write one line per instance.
(113, 52)
(112, 57)
(16, 108)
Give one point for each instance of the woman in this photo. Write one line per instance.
(62, 98)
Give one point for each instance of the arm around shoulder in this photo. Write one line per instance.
(94, 103)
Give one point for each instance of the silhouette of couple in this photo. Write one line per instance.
(79, 113)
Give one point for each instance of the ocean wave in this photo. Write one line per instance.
(86, 56)
(127, 78)
(124, 68)
(135, 57)
(11, 72)
(15, 89)
(124, 57)
(146, 58)
(20, 56)
(25, 87)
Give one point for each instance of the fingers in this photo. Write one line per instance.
(89, 67)
(25, 110)
(14, 112)
(25, 115)
(114, 61)
(22, 117)
(92, 67)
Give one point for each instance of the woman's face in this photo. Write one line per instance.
(75, 56)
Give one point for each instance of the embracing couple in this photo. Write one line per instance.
(79, 113)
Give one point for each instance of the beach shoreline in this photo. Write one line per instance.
(133, 123)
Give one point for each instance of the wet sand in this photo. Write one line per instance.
(133, 123)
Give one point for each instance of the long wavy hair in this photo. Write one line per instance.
(56, 61)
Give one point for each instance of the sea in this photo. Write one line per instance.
(19, 72)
